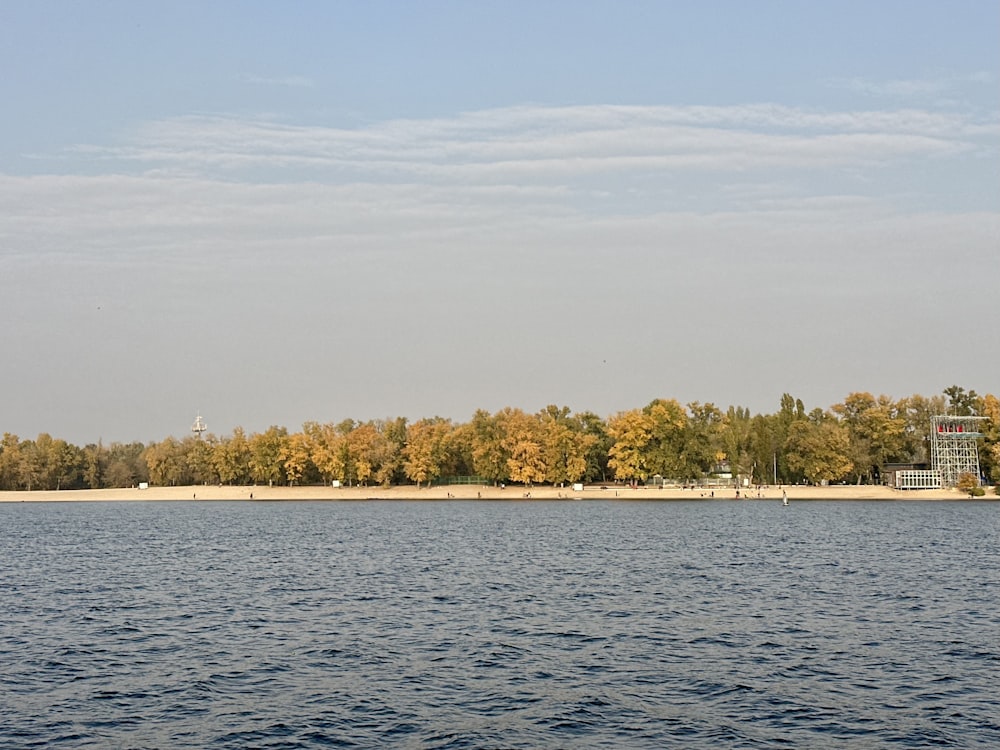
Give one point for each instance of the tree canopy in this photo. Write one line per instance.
(850, 441)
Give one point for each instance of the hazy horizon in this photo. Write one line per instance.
(273, 214)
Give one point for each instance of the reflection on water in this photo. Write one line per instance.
(508, 624)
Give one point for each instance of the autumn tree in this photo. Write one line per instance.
(630, 432)
(296, 455)
(344, 448)
(388, 458)
(425, 452)
(95, 463)
(877, 431)
(126, 465)
(991, 441)
(489, 457)
(521, 442)
(819, 448)
(165, 462)
(967, 483)
(231, 458)
(197, 455)
(322, 440)
(664, 452)
(10, 461)
(566, 445)
(265, 450)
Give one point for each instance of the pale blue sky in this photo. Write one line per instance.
(278, 212)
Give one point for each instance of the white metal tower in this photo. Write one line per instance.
(954, 447)
(199, 426)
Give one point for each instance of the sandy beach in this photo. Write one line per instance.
(474, 492)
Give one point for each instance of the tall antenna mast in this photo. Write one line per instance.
(199, 426)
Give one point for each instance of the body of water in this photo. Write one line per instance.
(500, 625)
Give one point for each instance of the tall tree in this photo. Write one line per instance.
(600, 448)
(565, 445)
(736, 444)
(668, 438)
(990, 455)
(819, 448)
(296, 456)
(877, 431)
(10, 461)
(489, 457)
(95, 464)
(231, 458)
(917, 413)
(630, 432)
(265, 455)
(962, 403)
(425, 453)
(523, 445)
(165, 462)
(702, 440)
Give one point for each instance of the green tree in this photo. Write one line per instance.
(917, 413)
(736, 443)
(165, 462)
(66, 465)
(962, 403)
(265, 455)
(126, 465)
(819, 448)
(10, 462)
(703, 436)
(489, 456)
(95, 463)
(197, 458)
(231, 458)
(600, 447)
(31, 465)
(877, 431)
(665, 453)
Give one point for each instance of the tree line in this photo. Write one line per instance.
(849, 442)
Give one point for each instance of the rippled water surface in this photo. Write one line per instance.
(500, 625)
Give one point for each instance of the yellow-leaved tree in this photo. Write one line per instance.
(630, 432)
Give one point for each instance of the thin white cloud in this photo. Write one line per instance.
(298, 82)
(554, 143)
(925, 89)
(899, 88)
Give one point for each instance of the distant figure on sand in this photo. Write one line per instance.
(784, 497)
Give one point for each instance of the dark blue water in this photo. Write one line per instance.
(500, 625)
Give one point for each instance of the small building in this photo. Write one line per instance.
(911, 476)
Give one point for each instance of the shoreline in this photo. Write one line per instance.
(480, 492)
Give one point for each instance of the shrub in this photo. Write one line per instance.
(967, 483)
(977, 492)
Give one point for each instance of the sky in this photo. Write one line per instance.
(272, 213)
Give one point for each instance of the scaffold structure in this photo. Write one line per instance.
(955, 448)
